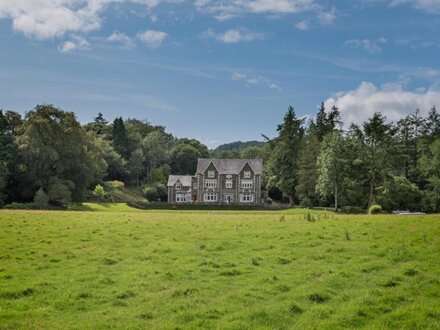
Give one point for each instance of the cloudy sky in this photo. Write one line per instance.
(218, 70)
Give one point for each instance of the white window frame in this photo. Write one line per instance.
(178, 186)
(228, 183)
(211, 174)
(247, 174)
(211, 183)
(225, 198)
(246, 198)
(247, 184)
(210, 197)
(195, 185)
(181, 198)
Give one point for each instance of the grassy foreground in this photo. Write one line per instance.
(225, 270)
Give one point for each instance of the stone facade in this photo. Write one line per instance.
(219, 181)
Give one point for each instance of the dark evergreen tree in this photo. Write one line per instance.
(119, 138)
(284, 160)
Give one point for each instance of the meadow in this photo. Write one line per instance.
(117, 267)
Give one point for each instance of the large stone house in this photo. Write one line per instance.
(219, 181)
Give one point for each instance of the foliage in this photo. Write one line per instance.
(184, 159)
(57, 155)
(283, 164)
(99, 192)
(375, 209)
(150, 192)
(307, 167)
(41, 200)
(330, 166)
(238, 146)
(306, 203)
(398, 193)
(352, 210)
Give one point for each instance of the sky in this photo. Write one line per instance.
(220, 71)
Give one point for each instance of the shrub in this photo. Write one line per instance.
(162, 191)
(150, 192)
(99, 192)
(352, 210)
(375, 209)
(59, 193)
(41, 201)
(306, 203)
(115, 184)
(19, 206)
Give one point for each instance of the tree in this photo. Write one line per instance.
(429, 165)
(330, 167)
(136, 165)
(397, 193)
(150, 193)
(41, 201)
(284, 160)
(377, 145)
(307, 170)
(184, 159)
(8, 154)
(57, 154)
(120, 139)
(156, 148)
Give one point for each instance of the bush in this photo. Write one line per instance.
(306, 203)
(99, 192)
(20, 206)
(59, 193)
(115, 184)
(162, 191)
(352, 210)
(41, 201)
(398, 193)
(375, 209)
(150, 192)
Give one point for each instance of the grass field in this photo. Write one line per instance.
(224, 270)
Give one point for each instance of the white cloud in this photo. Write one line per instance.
(152, 38)
(373, 46)
(233, 36)
(303, 25)
(430, 6)
(224, 10)
(251, 79)
(121, 38)
(75, 43)
(358, 105)
(45, 19)
(327, 17)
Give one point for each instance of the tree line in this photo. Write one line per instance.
(48, 154)
(395, 165)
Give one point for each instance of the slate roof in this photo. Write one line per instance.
(185, 180)
(229, 166)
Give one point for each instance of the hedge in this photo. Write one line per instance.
(167, 206)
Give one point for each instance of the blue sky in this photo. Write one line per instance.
(220, 71)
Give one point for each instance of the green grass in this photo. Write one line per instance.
(224, 270)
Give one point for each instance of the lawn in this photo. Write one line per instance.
(225, 270)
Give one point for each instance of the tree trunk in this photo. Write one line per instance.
(336, 198)
(291, 201)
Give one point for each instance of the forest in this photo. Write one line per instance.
(47, 154)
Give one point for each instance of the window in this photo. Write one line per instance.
(246, 198)
(247, 174)
(178, 186)
(229, 198)
(246, 184)
(211, 174)
(180, 198)
(228, 183)
(210, 197)
(195, 185)
(210, 183)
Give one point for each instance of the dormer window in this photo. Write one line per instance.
(178, 186)
(247, 174)
(211, 174)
